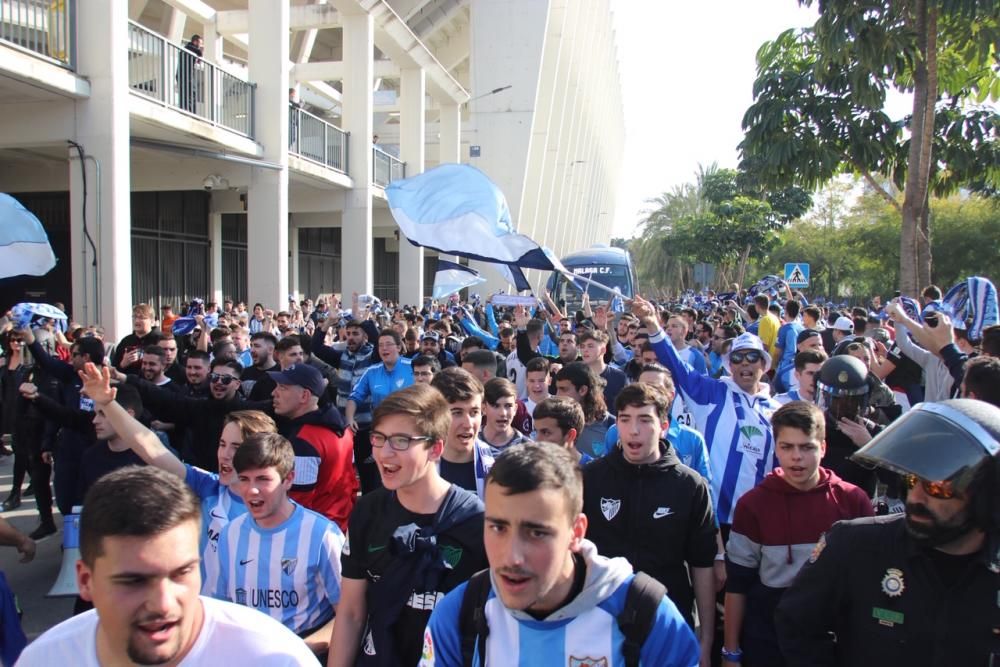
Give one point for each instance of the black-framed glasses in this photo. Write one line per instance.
(941, 490)
(398, 441)
(750, 356)
(225, 380)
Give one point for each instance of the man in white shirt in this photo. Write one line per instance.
(139, 566)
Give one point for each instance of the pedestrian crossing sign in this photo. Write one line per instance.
(797, 275)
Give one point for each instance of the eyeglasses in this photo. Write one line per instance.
(750, 356)
(399, 442)
(225, 380)
(942, 490)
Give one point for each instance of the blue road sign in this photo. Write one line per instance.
(797, 275)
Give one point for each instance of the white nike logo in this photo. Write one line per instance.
(662, 512)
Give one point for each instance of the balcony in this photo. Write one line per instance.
(46, 28)
(314, 139)
(386, 168)
(177, 78)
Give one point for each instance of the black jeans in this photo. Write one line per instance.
(367, 469)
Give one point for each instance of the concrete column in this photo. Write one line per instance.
(293, 260)
(356, 240)
(411, 151)
(267, 210)
(213, 44)
(102, 294)
(451, 133)
(215, 247)
(450, 142)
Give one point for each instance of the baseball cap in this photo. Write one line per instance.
(431, 335)
(747, 341)
(844, 324)
(805, 335)
(302, 375)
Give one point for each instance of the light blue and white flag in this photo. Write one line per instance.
(513, 274)
(452, 278)
(456, 210)
(24, 246)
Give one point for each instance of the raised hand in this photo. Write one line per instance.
(97, 384)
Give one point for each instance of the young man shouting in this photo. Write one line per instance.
(409, 542)
(549, 599)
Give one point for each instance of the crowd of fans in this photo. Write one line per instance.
(355, 465)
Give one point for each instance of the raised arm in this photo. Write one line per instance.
(97, 385)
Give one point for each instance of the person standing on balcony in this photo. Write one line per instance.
(189, 74)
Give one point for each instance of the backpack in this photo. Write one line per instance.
(635, 620)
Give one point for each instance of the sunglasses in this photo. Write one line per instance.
(751, 357)
(941, 490)
(225, 380)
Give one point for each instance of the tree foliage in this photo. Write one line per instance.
(724, 218)
(819, 101)
(854, 250)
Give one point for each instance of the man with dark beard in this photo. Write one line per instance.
(918, 588)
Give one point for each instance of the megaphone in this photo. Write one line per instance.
(65, 585)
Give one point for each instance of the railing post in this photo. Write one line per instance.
(164, 87)
(71, 33)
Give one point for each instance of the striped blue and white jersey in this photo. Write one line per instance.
(584, 632)
(290, 572)
(736, 426)
(219, 506)
(788, 397)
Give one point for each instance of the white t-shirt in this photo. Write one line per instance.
(231, 633)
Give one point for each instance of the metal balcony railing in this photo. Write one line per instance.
(46, 28)
(386, 168)
(315, 139)
(177, 78)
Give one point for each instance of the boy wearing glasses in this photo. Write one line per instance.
(775, 530)
(409, 542)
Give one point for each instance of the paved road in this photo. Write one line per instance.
(33, 580)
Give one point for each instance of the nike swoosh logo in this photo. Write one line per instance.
(662, 512)
(244, 562)
(216, 516)
(372, 548)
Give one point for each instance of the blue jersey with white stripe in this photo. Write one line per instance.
(290, 572)
(589, 638)
(219, 506)
(736, 426)
(378, 382)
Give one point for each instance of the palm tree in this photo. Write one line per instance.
(657, 264)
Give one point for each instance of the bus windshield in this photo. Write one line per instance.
(615, 276)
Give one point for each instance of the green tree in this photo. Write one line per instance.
(857, 252)
(724, 218)
(820, 93)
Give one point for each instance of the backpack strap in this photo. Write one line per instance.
(637, 616)
(472, 624)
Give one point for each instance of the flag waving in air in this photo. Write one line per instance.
(451, 278)
(456, 210)
(24, 246)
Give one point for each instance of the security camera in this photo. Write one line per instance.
(215, 182)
